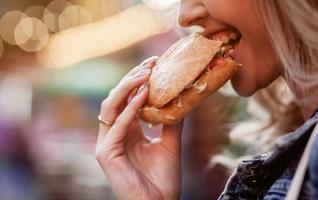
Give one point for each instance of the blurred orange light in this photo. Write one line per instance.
(23, 31)
(68, 18)
(38, 38)
(50, 20)
(102, 37)
(36, 11)
(52, 14)
(84, 17)
(109, 8)
(8, 23)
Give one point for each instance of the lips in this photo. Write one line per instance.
(230, 37)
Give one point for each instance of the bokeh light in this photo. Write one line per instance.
(95, 8)
(68, 18)
(39, 37)
(103, 37)
(109, 8)
(52, 14)
(8, 24)
(36, 11)
(84, 17)
(23, 31)
(74, 16)
(58, 6)
(51, 20)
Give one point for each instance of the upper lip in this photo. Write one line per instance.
(210, 34)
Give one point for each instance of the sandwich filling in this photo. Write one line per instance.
(209, 75)
(219, 59)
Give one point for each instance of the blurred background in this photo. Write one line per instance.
(58, 61)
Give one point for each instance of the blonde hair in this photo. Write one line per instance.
(275, 116)
(280, 116)
(292, 26)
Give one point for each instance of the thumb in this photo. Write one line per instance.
(171, 135)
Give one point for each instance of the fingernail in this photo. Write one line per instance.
(142, 88)
(143, 72)
(145, 62)
(143, 67)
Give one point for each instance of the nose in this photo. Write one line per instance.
(191, 12)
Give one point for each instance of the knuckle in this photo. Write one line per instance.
(129, 80)
(98, 154)
(105, 104)
(133, 69)
(111, 92)
(102, 159)
(103, 156)
(127, 84)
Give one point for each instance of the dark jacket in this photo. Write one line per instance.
(268, 176)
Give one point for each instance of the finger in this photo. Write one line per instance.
(119, 130)
(120, 92)
(131, 95)
(102, 130)
(171, 136)
(136, 133)
(148, 60)
(112, 106)
(148, 63)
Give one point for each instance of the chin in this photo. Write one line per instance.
(244, 92)
(242, 88)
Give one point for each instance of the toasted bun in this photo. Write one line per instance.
(180, 66)
(183, 77)
(176, 110)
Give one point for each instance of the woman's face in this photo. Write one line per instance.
(253, 51)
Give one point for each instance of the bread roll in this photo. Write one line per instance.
(183, 77)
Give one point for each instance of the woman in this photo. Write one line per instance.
(279, 38)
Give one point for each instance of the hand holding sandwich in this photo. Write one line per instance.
(189, 71)
(135, 168)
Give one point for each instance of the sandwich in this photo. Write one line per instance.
(187, 73)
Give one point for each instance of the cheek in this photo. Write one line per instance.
(260, 68)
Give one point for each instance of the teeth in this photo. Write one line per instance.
(225, 49)
(233, 36)
(225, 39)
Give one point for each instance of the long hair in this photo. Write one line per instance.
(292, 26)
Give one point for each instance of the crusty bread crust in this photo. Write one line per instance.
(179, 66)
(176, 109)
